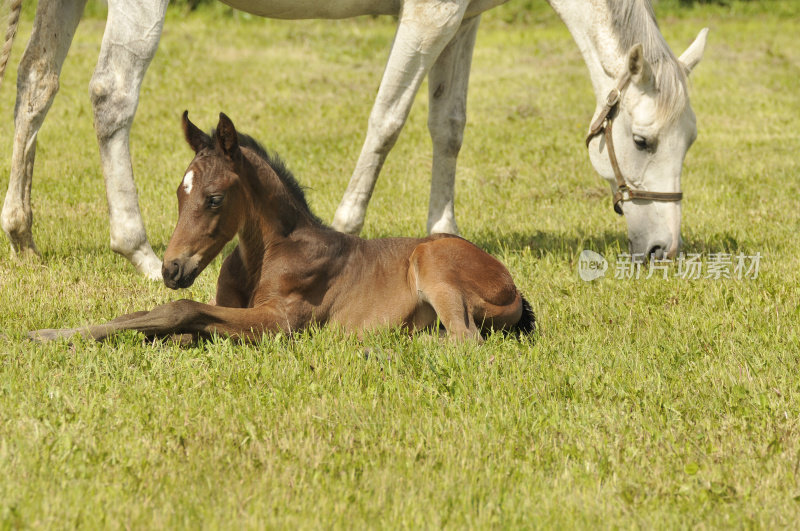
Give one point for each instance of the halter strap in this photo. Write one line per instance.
(604, 123)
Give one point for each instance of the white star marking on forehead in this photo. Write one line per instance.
(187, 182)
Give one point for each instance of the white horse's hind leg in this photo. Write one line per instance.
(129, 44)
(424, 30)
(37, 84)
(447, 92)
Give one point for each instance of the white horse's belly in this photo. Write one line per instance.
(305, 9)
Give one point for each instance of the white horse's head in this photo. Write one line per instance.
(653, 128)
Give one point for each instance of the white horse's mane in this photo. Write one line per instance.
(634, 22)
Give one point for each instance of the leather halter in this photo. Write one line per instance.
(603, 123)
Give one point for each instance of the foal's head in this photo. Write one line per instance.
(211, 202)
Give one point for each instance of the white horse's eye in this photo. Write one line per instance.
(640, 141)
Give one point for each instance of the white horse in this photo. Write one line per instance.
(619, 41)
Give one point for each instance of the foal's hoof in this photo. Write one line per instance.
(50, 334)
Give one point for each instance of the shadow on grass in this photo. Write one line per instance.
(561, 244)
(720, 242)
(549, 243)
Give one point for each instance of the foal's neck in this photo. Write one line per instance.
(271, 213)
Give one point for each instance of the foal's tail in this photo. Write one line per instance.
(527, 321)
(11, 31)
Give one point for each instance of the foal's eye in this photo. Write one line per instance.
(640, 141)
(215, 201)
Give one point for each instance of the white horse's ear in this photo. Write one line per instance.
(694, 52)
(638, 67)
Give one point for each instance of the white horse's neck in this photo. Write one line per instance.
(590, 23)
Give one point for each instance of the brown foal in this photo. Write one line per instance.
(290, 271)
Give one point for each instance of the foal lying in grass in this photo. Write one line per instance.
(290, 271)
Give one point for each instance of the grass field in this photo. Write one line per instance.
(640, 403)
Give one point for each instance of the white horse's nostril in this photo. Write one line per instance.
(657, 252)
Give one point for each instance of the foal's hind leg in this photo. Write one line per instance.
(37, 84)
(469, 289)
(453, 310)
(437, 284)
(129, 43)
(447, 93)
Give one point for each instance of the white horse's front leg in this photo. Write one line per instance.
(37, 84)
(447, 92)
(424, 30)
(129, 44)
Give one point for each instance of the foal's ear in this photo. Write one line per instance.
(194, 136)
(226, 137)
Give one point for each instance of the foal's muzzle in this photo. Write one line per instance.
(179, 273)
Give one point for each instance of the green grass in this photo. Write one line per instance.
(646, 403)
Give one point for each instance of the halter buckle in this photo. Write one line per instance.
(613, 97)
(621, 195)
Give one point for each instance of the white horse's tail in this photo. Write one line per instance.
(13, 22)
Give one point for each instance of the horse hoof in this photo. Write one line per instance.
(347, 222)
(152, 272)
(147, 263)
(443, 225)
(25, 250)
(28, 254)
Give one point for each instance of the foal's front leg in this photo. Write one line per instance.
(232, 283)
(184, 317)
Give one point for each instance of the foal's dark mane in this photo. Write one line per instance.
(294, 188)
